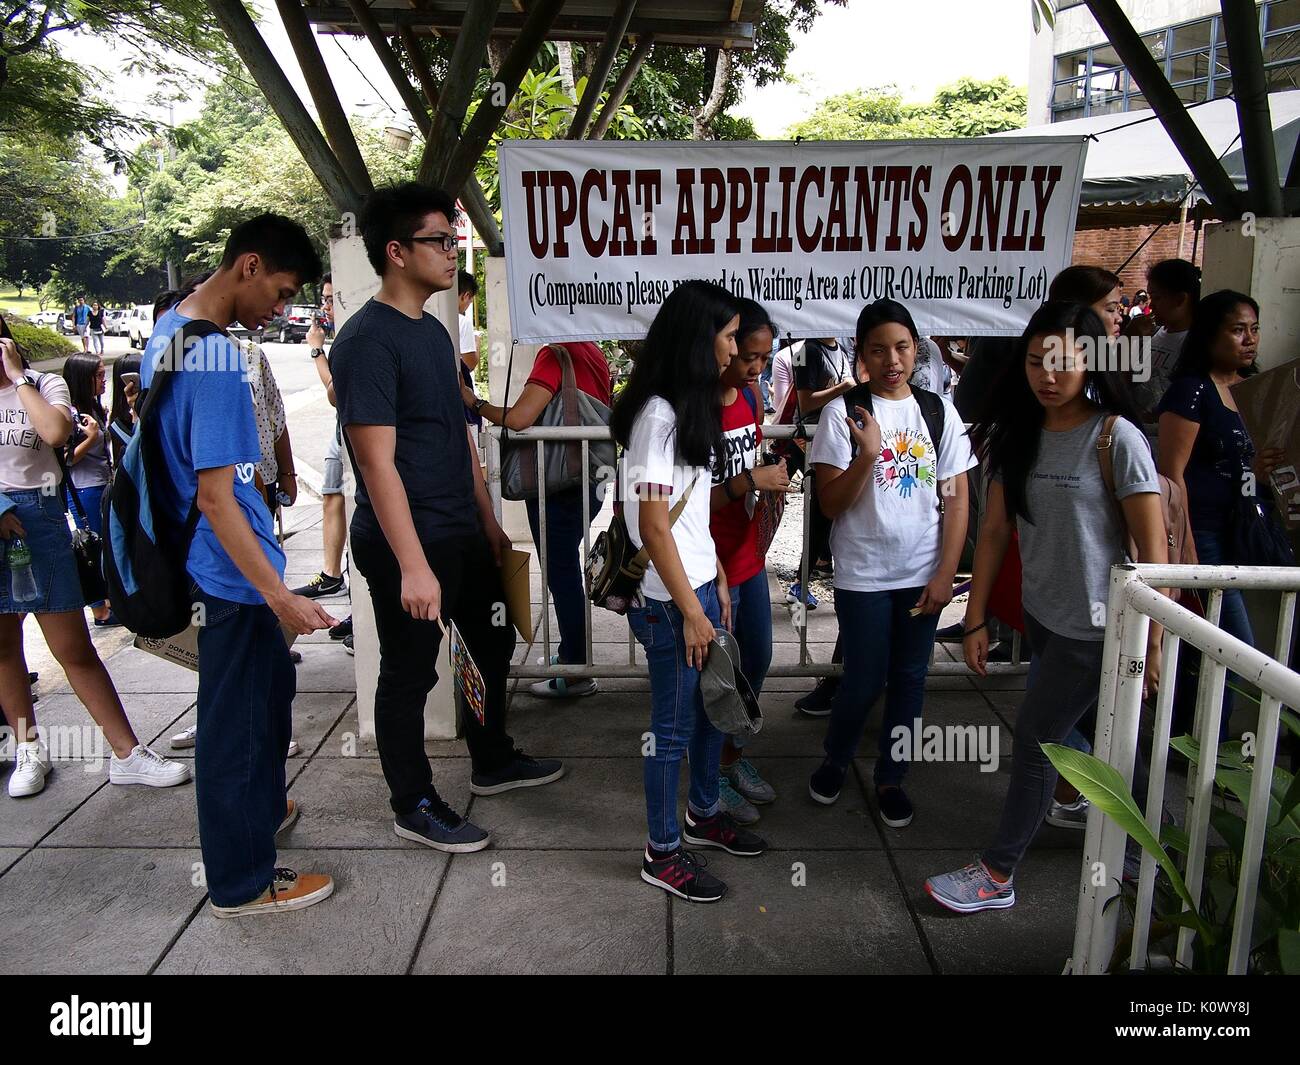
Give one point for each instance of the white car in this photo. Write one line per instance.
(115, 322)
(49, 319)
(137, 324)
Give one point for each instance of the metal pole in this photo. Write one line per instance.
(1250, 89)
(619, 91)
(601, 68)
(586, 537)
(541, 547)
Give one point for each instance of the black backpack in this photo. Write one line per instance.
(145, 549)
(932, 413)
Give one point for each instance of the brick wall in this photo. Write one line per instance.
(1110, 247)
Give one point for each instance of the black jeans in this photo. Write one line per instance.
(472, 597)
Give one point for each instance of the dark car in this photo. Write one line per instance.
(282, 329)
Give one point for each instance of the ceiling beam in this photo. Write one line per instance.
(1173, 115)
(617, 94)
(462, 75)
(379, 42)
(243, 34)
(1250, 88)
(600, 69)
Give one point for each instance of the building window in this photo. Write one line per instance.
(1194, 56)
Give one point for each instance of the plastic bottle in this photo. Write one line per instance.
(22, 582)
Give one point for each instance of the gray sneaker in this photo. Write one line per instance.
(735, 804)
(745, 779)
(1069, 814)
(970, 890)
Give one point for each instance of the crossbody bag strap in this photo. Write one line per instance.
(643, 556)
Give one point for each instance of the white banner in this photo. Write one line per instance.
(966, 233)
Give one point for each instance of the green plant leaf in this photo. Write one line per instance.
(1231, 827)
(1175, 838)
(1106, 790)
(1288, 951)
(1291, 720)
(1291, 799)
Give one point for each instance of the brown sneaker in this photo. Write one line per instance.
(290, 816)
(288, 891)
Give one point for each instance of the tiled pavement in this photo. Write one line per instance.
(101, 879)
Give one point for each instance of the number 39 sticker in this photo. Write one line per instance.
(1132, 667)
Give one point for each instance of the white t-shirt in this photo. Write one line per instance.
(651, 458)
(782, 377)
(27, 461)
(468, 342)
(890, 538)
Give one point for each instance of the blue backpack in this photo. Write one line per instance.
(146, 549)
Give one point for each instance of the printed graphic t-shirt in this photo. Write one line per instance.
(205, 420)
(891, 538)
(27, 461)
(651, 459)
(734, 532)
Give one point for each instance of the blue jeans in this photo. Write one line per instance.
(90, 499)
(677, 719)
(564, 530)
(885, 649)
(246, 690)
(751, 624)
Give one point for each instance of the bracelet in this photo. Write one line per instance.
(288, 473)
(749, 476)
(975, 629)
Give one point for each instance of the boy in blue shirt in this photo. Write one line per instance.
(207, 436)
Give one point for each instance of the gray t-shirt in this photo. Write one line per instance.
(1077, 533)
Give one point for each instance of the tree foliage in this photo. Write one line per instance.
(966, 108)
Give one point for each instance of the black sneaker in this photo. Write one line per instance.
(347, 644)
(1000, 652)
(437, 825)
(895, 807)
(320, 586)
(682, 874)
(953, 633)
(825, 784)
(721, 831)
(342, 629)
(818, 702)
(522, 772)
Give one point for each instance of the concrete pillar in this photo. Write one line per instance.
(514, 517)
(1260, 257)
(354, 283)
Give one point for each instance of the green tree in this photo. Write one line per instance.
(966, 108)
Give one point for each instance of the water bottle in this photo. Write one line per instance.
(22, 582)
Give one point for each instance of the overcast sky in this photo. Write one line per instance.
(869, 43)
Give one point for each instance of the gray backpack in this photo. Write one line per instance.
(569, 406)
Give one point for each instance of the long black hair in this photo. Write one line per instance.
(6, 334)
(1008, 432)
(678, 363)
(1083, 284)
(1196, 359)
(120, 413)
(753, 318)
(79, 373)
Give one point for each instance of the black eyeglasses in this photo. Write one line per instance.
(447, 242)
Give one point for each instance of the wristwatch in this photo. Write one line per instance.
(479, 404)
(316, 353)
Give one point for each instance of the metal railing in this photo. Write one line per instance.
(806, 667)
(1133, 604)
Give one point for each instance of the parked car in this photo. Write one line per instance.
(49, 319)
(278, 330)
(299, 318)
(137, 324)
(115, 322)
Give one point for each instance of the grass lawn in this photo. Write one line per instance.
(27, 306)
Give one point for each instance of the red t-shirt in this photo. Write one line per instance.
(735, 533)
(590, 370)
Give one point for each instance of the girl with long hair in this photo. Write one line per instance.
(121, 415)
(668, 420)
(89, 468)
(738, 481)
(1040, 445)
(40, 577)
(891, 464)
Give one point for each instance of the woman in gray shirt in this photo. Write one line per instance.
(1041, 449)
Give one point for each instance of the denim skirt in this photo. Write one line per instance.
(58, 586)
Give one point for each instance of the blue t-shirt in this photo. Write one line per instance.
(205, 421)
(81, 314)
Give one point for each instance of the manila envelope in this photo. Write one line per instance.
(1269, 403)
(183, 648)
(514, 577)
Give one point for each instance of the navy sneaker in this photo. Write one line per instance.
(721, 831)
(682, 874)
(825, 784)
(819, 701)
(342, 629)
(437, 825)
(895, 806)
(522, 772)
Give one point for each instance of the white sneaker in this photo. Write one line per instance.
(184, 740)
(31, 766)
(293, 748)
(143, 766)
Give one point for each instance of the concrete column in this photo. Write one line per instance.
(1260, 257)
(514, 517)
(354, 283)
